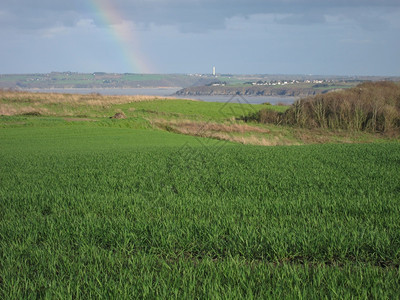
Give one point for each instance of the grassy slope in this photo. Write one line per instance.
(181, 116)
(196, 110)
(143, 113)
(102, 106)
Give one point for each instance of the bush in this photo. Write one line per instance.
(372, 106)
(264, 116)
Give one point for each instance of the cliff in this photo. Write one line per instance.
(251, 91)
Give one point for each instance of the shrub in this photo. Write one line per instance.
(371, 106)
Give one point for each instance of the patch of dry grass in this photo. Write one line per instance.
(11, 110)
(20, 102)
(192, 126)
(234, 132)
(66, 105)
(88, 99)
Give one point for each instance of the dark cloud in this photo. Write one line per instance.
(188, 15)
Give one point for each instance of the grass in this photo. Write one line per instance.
(197, 110)
(92, 207)
(111, 212)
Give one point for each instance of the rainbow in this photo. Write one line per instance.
(124, 34)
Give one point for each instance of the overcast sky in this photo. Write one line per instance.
(349, 37)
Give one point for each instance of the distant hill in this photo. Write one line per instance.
(100, 80)
(192, 84)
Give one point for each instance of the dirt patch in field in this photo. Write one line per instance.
(79, 120)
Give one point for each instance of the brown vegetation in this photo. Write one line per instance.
(371, 107)
(12, 109)
(234, 132)
(19, 102)
(119, 115)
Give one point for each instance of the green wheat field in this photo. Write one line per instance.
(121, 209)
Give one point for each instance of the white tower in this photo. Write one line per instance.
(213, 71)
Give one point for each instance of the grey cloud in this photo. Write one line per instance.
(37, 18)
(204, 15)
(371, 23)
(187, 15)
(301, 19)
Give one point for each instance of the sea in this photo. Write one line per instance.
(170, 92)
